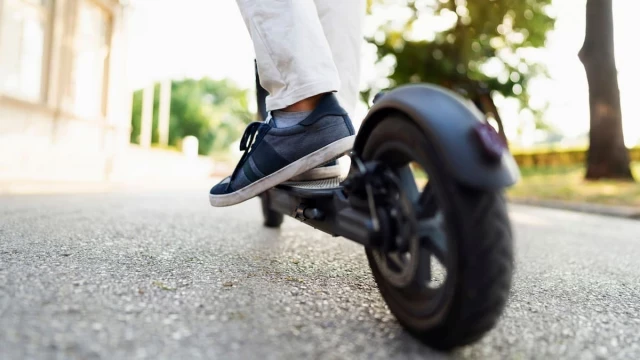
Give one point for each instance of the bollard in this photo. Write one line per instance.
(190, 146)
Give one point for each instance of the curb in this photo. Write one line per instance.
(626, 212)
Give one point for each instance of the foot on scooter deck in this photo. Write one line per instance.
(313, 187)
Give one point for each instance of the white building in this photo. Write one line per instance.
(65, 104)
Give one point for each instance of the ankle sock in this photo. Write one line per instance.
(284, 119)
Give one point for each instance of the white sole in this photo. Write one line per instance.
(304, 164)
(319, 173)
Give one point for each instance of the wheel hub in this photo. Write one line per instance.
(399, 256)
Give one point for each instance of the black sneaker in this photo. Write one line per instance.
(275, 155)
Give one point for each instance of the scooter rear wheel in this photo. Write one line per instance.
(466, 231)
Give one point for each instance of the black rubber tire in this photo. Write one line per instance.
(479, 237)
(272, 219)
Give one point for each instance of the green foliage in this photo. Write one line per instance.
(449, 42)
(214, 111)
(136, 117)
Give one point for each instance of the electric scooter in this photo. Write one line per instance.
(424, 196)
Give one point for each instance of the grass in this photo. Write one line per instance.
(567, 183)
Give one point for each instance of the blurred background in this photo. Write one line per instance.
(102, 93)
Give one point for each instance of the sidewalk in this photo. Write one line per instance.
(628, 212)
(80, 187)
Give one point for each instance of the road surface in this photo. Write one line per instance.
(164, 276)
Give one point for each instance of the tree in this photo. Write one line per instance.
(480, 48)
(214, 111)
(607, 157)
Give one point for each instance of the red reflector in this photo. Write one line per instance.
(491, 142)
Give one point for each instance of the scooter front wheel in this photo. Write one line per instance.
(448, 274)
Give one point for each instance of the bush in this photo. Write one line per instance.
(559, 158)
(214, 111)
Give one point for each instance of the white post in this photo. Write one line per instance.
(164, 112)
(146, 123)
(190, 146)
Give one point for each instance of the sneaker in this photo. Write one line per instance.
(326, 171)
(275, 155)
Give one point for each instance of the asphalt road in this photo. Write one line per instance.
(164, 276)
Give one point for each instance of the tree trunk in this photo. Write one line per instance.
(489, 106)
(607, 158)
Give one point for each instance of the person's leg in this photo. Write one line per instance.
(293, 56)
(342, 22)
(308, 127)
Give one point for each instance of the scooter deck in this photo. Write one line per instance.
(313, 188)
(331, 183)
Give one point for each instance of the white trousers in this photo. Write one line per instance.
(305, 48)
